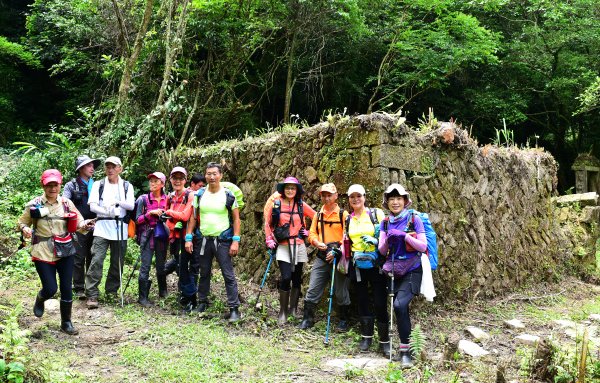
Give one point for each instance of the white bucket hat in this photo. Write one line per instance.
(400, 190)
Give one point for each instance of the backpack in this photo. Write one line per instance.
(432, 250)
(237, 192)
(128, 213)
(276, 213)
(133, 230)
(366, 260)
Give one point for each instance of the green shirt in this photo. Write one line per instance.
(214, 216)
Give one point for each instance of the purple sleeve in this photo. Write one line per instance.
(383, 245)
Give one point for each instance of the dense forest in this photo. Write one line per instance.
(126, 72)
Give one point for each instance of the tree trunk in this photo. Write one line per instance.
(132, 59)
(289, 83)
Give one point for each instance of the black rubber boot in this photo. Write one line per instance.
(234, 315)
(383, 330)
(366, 333)
(294, 297)
(202, 306)
(65, 318)
(162, 286)
(406, 360)
(38, 307)
(143, 290)
(284, 299)
(189, 303)
(170, 266)
(308, 320)
(344, 322)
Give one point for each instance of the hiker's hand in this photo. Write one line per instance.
(321, 246)
(156, 212)
(396, 234)
(334, 253)
(89, 224)
(369, 240)
(27, 232)
(270, 242)
(233, 250)
(189, 246)
(305, 233)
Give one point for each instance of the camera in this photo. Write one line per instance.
(163, 217)
(38, 211)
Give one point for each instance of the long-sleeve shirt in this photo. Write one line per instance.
(289, 209)
(145, 203)
(332, 229)
(179, 210)
(48, 226)
(105, 207)
(399, 249)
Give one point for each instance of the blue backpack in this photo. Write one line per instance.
(432, 250)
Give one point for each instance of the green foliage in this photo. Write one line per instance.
(13, 340)
(417, 341)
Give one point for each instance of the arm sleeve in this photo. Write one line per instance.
(94, 202)
(24, 219)
(68, 190)
(129, 202)
(419, 243)
(308, 211)
(313, 237)
(183, 215)
(267, 211)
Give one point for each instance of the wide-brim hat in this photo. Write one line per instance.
(400, 190)
(51, 175)
(83, 160)
(290, 181)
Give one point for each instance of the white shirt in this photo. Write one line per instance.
(112, 194)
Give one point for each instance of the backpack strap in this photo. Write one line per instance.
(386, 224)
(276, 212)
(101, 189)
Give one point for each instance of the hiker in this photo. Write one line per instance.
(153, 237)
(285, 230)
(78, 190)
(216, 223)
(362, 227)
(48, 221)
(402, 238)
(112, 199)
(326, 233)
(196, 182)
(179, 209)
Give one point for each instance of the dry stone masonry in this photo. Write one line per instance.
(491, 206)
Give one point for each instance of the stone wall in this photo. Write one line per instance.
(491, 206)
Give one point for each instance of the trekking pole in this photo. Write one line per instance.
(391, 307)
(119, 238)
(326, 341)
(258, 305)
(132, 272)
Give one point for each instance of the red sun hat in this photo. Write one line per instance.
(51, 175)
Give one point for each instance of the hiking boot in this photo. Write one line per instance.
(383, 330)
(80, 294)
(366, 333)
(308, 320)
(406, 360)
(143, 290)
(294, 297)
(188, 303)
(65, 318)
(234, 315)
(171, 266)
(162, 286)
(202, 306)
(38, 307)
(92, 303)
(284, 298)
(344, 322)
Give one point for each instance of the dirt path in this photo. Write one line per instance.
(159, 344)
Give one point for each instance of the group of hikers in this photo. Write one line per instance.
(383, 256)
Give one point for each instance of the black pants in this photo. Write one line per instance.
(82, 260)
(188, 267)
(371, 278)
(405, 289)
(151, 246)
(47, 273)
(288, 277)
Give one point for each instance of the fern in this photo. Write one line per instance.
(417, 342)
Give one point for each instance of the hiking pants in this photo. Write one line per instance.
(405, 288)
(287, 276)
(320, 277)
(47, 273)
(94, 274)
(209, 249)
(377, 282)
(187, 273)
(149, 247)
(82, 260)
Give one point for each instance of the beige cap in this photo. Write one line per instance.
(328, 188)
(113, 160)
